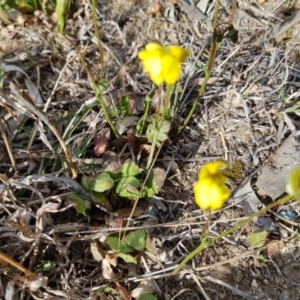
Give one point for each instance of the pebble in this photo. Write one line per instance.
(254, 284)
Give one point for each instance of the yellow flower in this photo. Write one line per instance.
(163, 63)
(211, 190)
(293, 185)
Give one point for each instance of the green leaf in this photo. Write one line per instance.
(78, 202)
(127, 187)
(83, 145)
(136, 239)
(282, 95)
(2, 77)
(27, 6)
(125, 105)
(114, 112)
(296, 235)
(116, 244)
(292, 108)
(130, 169)
(99, 198)
(85, 183)
(158, 135)
(128, 258)
(105, 291)
(154, 182)
(147, 296)
(102, 183)
(62, 9)
(147, 102)
(260, 259)
(103, 84)
(44, 267)
(257, 238)
(148, 192)
(115, 175)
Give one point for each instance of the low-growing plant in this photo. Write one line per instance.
(128, 182)
(208, 194)
(61, 8)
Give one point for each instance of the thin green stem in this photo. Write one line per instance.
(250, 218)
(160, 118)
(205, 227)
(96, 90)
(159, 91)
(166, 105)
(212, 54)
(214, 45)
(147, 102)
(150, 158)
(97, 31)
(205, 242)
(201, 91)
(105, 112)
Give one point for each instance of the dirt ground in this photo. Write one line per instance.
(240, 118)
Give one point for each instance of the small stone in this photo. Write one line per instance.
(238, 275)
(254, 284)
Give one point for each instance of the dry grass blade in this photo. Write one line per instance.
(23, 103)
(64, 182)
(8, 147)
(22, 269)
(239, 117)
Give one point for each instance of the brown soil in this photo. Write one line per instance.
(240, 118)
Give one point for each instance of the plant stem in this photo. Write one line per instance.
(214, 45)
(166, 104)
(17, 265)
(159, 91)
(65, 149)
(211, 59)
(96, 90)
(105, 112)
(97, 30)
(201, 91)
(160, 118)
(8, 147)
(150, 158)
(205, 242)
(233, 11)
(205, 227)
(147, 102)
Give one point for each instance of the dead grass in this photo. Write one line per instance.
(240, 118)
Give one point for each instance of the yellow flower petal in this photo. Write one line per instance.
(156, 78)
(152, 65)
(162, 63)
(293, 185)
(211, 190)
(211, 169)
(170, 69)
(154, 46)
(178, 53)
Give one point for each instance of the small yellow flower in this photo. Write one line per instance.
(293, 185)
(163, 63)
(211, 190)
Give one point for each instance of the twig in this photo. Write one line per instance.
(12, 262)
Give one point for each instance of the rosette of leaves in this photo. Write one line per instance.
(126, 182)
